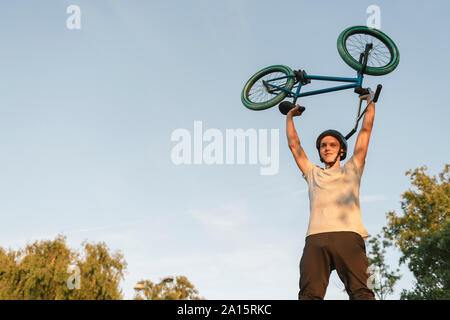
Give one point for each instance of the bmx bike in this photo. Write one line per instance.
(368, 51)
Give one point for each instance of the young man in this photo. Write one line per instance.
(335, 236)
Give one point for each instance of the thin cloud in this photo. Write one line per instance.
(372, 198)
(300, 191)
(223, 218)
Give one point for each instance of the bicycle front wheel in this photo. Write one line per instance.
(383, 57)
(266, 88)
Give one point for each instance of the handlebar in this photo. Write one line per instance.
(374, 98)
(377, 93)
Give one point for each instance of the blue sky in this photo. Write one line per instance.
(86, 118)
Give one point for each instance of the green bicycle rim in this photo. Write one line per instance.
(348, 58)
(275, 100)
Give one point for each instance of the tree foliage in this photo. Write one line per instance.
(425, 209)
(421, 233)
(42, 271)
(169, 288)
(431, 267)
(384, 279)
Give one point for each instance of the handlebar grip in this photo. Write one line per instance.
(377, 93)
(361, 91)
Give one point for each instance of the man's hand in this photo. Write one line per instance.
(296, 111)
(366, 97)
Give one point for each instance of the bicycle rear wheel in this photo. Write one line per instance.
(265, 88)
(383, 57)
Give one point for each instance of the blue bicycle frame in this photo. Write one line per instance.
(302, 79)
(355, 82)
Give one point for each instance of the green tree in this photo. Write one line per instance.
(383, 278)
(169, 288)
(421, 233)
(49, 270)
(431, 267)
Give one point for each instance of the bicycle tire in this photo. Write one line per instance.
(345, 50)
(272, 99)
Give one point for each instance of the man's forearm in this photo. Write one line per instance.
(362, 141)
(291, 133)
(368, 117)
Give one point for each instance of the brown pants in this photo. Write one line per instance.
(344, 252)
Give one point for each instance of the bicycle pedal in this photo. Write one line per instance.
(301, 77)
(268, 88)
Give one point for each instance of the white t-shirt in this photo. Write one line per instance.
(334, 198)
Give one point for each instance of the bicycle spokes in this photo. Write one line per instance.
(267, 87)
(379, 55)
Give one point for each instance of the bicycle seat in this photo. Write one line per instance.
(285, 106)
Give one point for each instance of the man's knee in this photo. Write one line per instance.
(362, 294)
(312, 290)
(310, 295)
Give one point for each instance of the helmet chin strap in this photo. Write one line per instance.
(330, 164)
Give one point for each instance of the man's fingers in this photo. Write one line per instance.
(364, 97)
(299, 108)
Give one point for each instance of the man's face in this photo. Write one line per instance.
(329, 148)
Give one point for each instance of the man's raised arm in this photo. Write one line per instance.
(362, 142)
(293, 139)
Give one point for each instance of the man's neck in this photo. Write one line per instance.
(337, 164)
